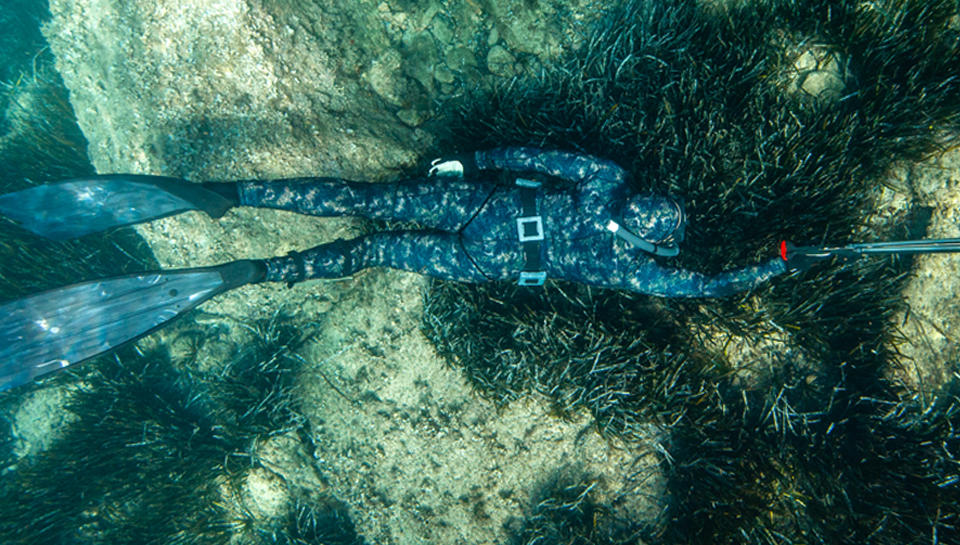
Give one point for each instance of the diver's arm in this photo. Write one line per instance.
(573, 167)
(649, 277)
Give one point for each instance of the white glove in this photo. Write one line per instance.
(446, 167)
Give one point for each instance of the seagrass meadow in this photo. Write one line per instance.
(782, 416)
(772, 120)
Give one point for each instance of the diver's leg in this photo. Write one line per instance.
(436, 254)
(437, 204)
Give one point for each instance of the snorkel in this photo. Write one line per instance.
(665, 246)
(668, 250)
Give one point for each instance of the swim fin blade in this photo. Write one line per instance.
(74, 208)
(49, 331)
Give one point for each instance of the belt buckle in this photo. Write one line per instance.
(528, 278)
(530, 221)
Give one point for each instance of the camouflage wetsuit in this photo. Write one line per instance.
(470, 228)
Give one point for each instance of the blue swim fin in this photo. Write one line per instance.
(55, 329)
(74, 208)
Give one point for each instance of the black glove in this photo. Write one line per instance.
(800, 258)
(461, 165)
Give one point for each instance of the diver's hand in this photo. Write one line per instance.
(460, 165)
(799, 258)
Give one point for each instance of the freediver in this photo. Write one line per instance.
(518, 214)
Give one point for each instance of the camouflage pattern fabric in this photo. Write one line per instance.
(469, 230)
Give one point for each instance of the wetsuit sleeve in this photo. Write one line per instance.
(649, 277)
(573, 167)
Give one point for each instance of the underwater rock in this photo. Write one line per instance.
(230, 90)
(500, 61)
(404, 439)
(810, 68)
(39, 421)
(927, 340)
